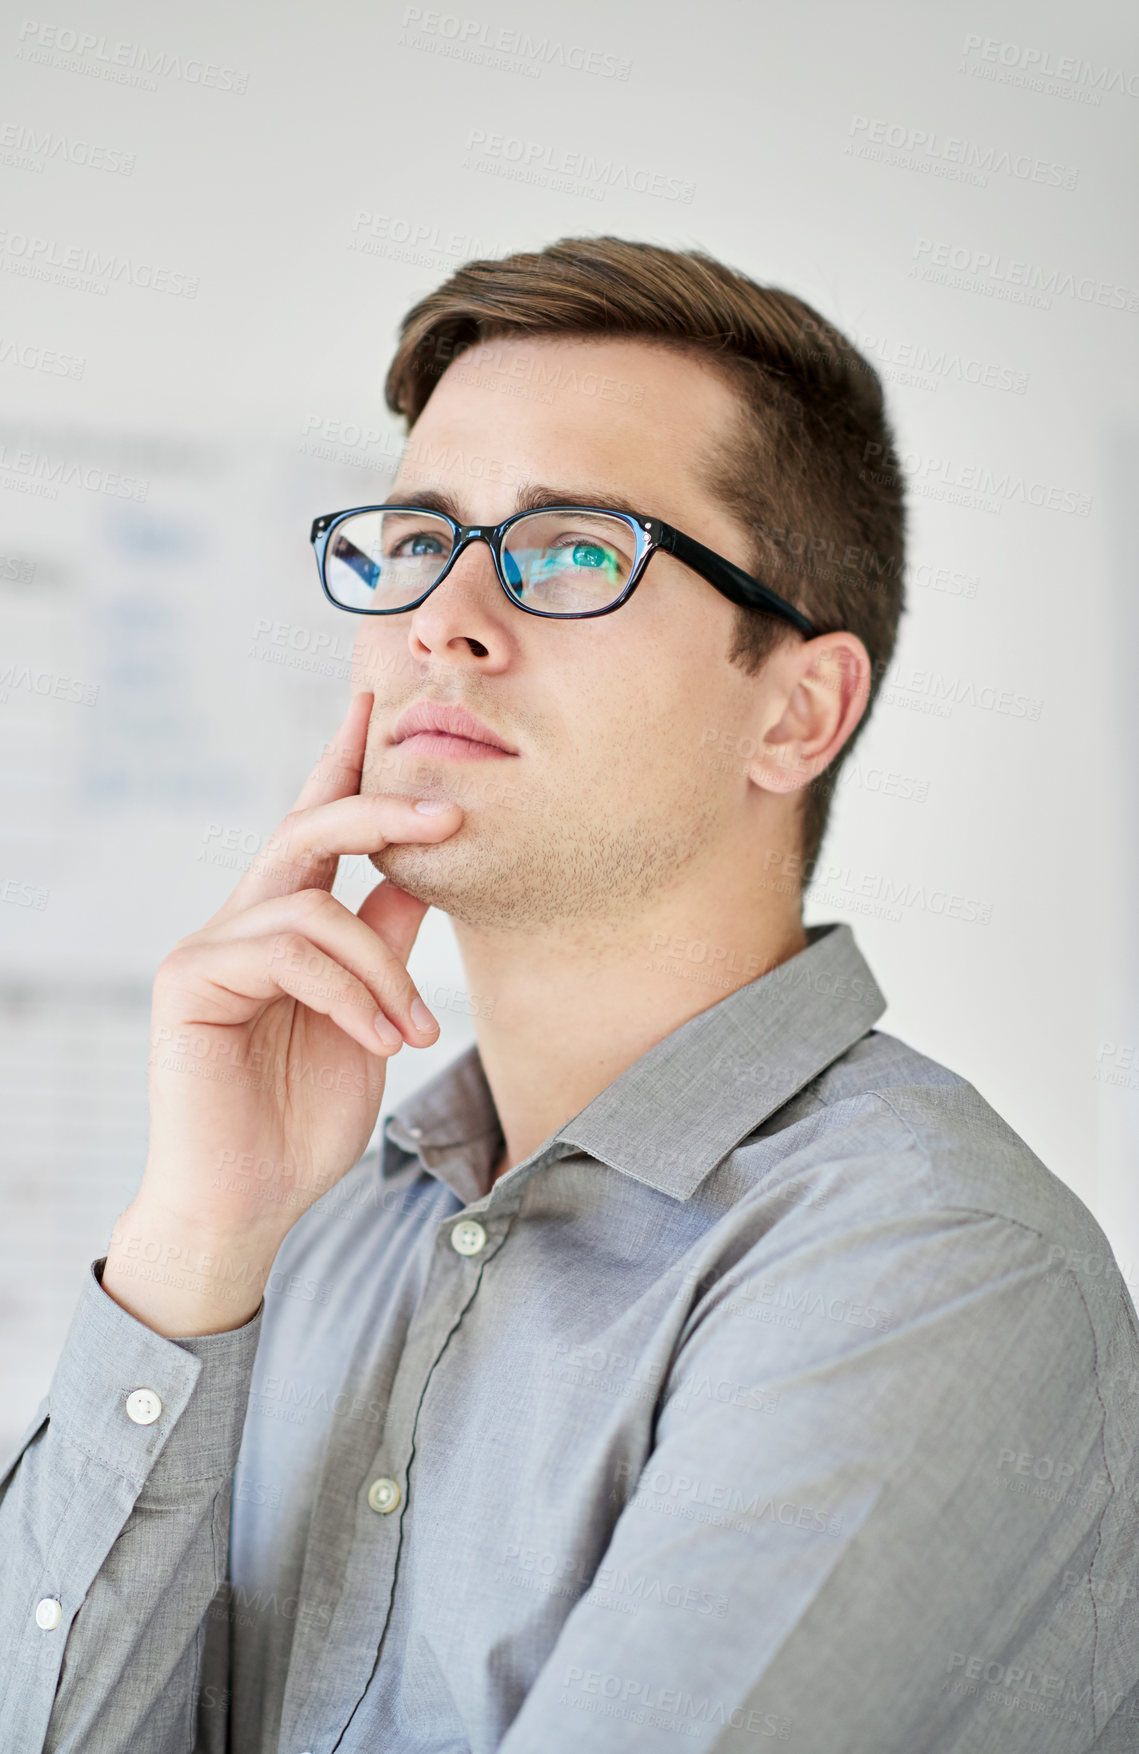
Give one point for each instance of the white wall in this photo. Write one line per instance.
(288, 180)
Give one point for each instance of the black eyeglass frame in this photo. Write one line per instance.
(651, 534)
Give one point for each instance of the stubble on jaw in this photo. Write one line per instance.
(538, 874)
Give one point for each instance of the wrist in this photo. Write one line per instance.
(182, 1277)
(160, 1234)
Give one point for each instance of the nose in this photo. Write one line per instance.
(467, 614)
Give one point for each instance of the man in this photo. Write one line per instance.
(695, 1364)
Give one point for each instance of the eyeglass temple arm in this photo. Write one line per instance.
(736, 584)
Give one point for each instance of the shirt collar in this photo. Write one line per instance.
(672, 1115)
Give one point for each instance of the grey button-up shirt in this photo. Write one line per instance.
(782, 1396)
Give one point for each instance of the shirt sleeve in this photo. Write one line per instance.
(825, 1534)
(114, 1527)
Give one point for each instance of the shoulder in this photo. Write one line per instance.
(887, 1133)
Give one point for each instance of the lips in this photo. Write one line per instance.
(438, 728)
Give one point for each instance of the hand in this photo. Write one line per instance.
(271, 1029)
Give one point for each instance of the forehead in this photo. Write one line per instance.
(628, 416)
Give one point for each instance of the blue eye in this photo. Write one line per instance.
(589, 554)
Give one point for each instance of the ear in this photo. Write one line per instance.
(815, 692)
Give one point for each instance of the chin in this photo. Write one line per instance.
(466, 895)
(414, 870)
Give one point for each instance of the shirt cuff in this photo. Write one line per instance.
(121, 1391)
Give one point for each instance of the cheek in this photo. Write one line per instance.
(603, 710)
(651, 704)
(638, 744)
(381, 662)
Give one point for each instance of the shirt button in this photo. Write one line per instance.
(414, 1132)
(383, 1495)
(468, 1237)
(49, 1613)
(143, 1406)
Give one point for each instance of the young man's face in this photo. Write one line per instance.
(619, 789)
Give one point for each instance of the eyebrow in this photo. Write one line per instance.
(533, 498)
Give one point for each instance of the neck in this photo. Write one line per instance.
(563, 1011)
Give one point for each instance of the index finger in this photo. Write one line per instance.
(337, 773)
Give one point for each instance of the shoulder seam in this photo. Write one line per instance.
(950, 1205)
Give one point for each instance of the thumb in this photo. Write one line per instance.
(394, 915)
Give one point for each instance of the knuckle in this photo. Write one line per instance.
(290, 835)
(176, 962)
(283, 835)
(311, 901)
(289, 947)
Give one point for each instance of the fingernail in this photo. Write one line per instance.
(421, 1016)
(387, 1031)
(433, 806)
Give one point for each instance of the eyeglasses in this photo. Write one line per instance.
(565, 561)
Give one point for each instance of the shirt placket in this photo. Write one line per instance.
(338, 1645)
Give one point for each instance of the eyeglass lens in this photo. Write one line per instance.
(559, 563)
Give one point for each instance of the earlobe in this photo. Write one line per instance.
(783, 768)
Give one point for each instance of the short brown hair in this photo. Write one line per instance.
(811, 472)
